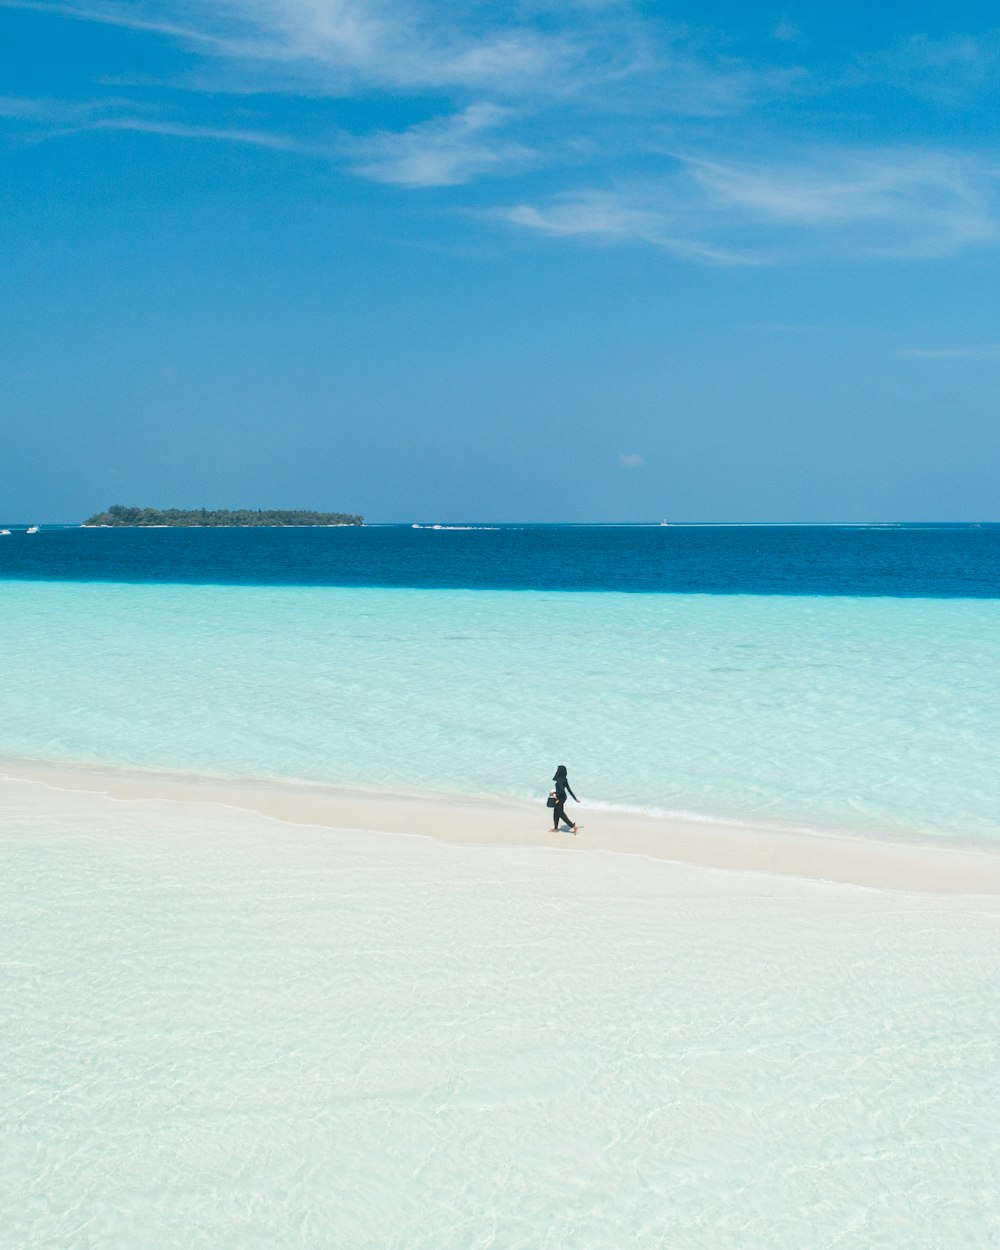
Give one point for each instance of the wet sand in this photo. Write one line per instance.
(894, 865)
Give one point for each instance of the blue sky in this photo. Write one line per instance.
(544, 261)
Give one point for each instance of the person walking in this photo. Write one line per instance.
(562, 788)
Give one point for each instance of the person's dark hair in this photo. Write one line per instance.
(559, 773)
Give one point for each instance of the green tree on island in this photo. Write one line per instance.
(118, 514)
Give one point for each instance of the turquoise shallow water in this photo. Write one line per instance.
(874, 716)
(220, 1032)
(223, 1032)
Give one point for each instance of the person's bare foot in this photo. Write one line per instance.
(575, 827)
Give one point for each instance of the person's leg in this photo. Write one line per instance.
(563, 816)
(558, 815)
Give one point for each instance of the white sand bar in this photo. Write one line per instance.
(925, 867)
(220, 1030)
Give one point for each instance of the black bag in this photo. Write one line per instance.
(551, 800)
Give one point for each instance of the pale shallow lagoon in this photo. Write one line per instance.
(222, 1031)
(871, 716)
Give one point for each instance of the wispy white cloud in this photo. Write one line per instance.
(897, 203)
(129, 17)
(947, 353)
(617, 217)
(606, 59)
(602, 92)
(226, 134)
(45, 118)
(787, 31)
(442, 152)
(559, 50)
(400, 45)
(337, 45)
(47, 112)
(631, 460)
(946, 70)
(602, 214)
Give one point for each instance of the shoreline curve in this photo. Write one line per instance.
(816, 857)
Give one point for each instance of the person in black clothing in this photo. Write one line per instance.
(562, 787)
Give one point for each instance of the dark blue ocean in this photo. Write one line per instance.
(959, 561)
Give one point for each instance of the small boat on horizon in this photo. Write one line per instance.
(32, 529)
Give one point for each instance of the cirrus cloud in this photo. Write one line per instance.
(611, 126)
(901, 203)
(441, 152)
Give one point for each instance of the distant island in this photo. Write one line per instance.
(120, 515)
